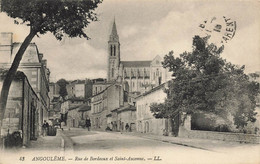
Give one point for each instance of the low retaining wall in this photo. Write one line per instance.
(224, 136)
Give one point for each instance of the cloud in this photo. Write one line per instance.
(244, 48)
(7, 25)
(176, 30)
(129, 31)
(69, 60)
(173, 32)
(154, 28)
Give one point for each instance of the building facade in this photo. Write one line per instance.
(69, 104)
(145, 121)
(22, 110)
(34, 67)
(102, 104)
(120, 117)
(77, 116)
(80, 88)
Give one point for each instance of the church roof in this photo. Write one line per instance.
(136, 63)
(114, 31)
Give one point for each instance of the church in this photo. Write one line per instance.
(139, 75)
(113, 100)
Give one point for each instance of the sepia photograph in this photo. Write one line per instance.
(130, 81)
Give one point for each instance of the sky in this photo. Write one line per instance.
(147, 28)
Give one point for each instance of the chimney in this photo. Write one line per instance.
(6, 38)
(6, 43)
(44, 62)
(40, 56)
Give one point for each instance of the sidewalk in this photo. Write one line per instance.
(204, 144)
(64, 143)
(47, 143)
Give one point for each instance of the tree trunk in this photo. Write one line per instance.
(11, 74)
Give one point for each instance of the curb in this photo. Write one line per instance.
(66, 142)
(62, 146)
(168, 141)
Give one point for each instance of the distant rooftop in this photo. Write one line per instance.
(136, 63)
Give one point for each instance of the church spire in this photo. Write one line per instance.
(113, 54)
(114, 35)
(114, 31)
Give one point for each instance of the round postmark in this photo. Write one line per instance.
(221, 30)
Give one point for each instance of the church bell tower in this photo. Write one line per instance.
(113, 55)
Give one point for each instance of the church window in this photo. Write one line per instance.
(111, 50)
(114, 50)
(157, 72)
(112, 72)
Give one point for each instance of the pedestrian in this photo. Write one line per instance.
(45, 127)
(126, 127)
(88, 123)
(112, 125)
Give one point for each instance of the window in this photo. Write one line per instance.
(160, 80)
(111, 50)
(112, 72)
(34, 79)
(114, 50)
(34, 73)
(157, 72)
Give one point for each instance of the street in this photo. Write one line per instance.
(116, 144)
(95, 140)
(83, 146)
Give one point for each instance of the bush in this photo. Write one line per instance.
(209, 122)
(13, 140)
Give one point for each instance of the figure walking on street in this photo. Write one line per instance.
(45, 127)
(126, 127)
(88, 123)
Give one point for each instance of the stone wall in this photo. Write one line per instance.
(224, 136)
(21, 109)
(12, 118)
(127, 117)
(152, 126)
(185, 131)
(145, 121)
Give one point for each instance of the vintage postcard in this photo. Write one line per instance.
(92, 81)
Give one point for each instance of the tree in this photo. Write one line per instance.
(60, 17)
(63, 90)
(88, 88)
(203, 81)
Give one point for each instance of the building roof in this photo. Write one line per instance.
(136, 63)
(84, 107)
(77, 99)
(114, 31)
(152, 90)
(74, 107)
(126, 108)
(110, 84)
